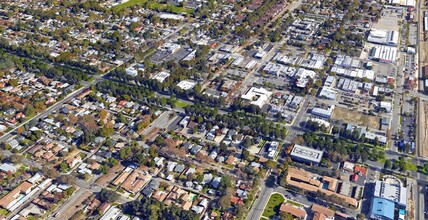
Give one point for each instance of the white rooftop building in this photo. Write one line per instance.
(328, 93)
(131, 71)
(186, 84)
(306, 155)
(387, 106)
(257, 96)
(391, 189)
(324, 113)
(383, 37)
(171, 16)
(161, 76)
(408, 3)
(385, 54)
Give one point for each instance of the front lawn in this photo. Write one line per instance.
(273, 205)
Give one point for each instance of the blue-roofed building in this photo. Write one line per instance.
(382, 209)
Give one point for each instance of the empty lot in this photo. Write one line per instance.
(356, 118)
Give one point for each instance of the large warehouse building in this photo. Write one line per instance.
(383, 37)
(385, 54)
(306, 155)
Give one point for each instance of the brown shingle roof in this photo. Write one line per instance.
(296, 212)
(323, 210)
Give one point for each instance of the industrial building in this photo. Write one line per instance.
(306, 155)
(383, 37)
(385, 54)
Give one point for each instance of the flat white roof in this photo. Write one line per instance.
(186, 84)
(307, 153)
(384, 53)
(257, 96)
(161, 76)
(391, 191)
(328, 93)
(171, 16)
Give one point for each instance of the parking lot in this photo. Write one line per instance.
(408, 128)
(389, 20)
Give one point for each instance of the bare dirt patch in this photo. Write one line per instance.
(356, 118)
(423, 127)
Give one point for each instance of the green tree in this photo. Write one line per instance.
(29, 110)
(387, 164)
(13, 82)
(108, 196)
(63, 166)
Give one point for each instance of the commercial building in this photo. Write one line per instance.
(382, 209)
(372, 137)
(393, 190)
(324, 113)
(257, 96)
(386, 106)
(302, 76)
(385, 54)
(383, 37)
(171, 47)
(306, 155)
(313, 183)
(353, 73)
(328, 93)
(330, 81)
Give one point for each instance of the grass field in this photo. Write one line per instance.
(272, 207)
(170, 8)
(410, 166)
(154, 6)
(181, 104)
(128, 4)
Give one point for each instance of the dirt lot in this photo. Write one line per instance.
(356, 118)
(105, 179)
(423, 127)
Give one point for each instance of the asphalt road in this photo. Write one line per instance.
(266, 189)
(295, 129)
